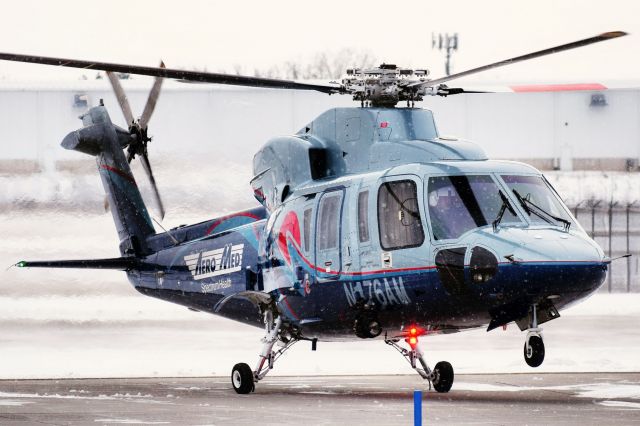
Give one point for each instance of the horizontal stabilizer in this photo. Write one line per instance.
(118, 263)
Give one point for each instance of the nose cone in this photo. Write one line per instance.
(553, 245)
(553, 263)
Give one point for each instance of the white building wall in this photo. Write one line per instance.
(545, 125)
(231, 123)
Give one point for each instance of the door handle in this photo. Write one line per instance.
(328, 263)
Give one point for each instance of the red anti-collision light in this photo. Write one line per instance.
(415, 330)
(384, 124)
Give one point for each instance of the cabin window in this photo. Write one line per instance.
(458, 204)
(399, 220)
(306, 224)
(363, 216)
(329, 214)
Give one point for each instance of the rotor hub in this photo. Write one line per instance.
(385, 85)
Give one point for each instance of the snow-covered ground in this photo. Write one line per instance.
(136, 336)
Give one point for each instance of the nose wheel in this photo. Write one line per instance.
(534, 351)
(534, 345)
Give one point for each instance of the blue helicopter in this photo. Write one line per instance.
(370, 225)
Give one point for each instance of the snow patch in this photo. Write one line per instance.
(130, 422)
(605, 390)
(590, 390)
(190, 388)
(59, 396)
(621, 404)
(10, 403)
(485, 387)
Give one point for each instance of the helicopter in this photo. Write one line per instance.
(370, 224)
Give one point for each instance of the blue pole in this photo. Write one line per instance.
(417, 408)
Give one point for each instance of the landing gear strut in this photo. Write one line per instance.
(243, 378)
(441, 377)
(534, 345)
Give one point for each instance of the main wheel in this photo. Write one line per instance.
(535, 355)
(242, 378)
(442, 377)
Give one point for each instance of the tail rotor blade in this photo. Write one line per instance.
(130, 155)
(147, 168)
(151, 100)
(122, 97)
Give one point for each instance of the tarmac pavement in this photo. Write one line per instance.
(500, 399)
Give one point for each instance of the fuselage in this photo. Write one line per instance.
(410, 244)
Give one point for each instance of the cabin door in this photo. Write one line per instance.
(328, 236)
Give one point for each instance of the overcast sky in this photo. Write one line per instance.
(219, 35)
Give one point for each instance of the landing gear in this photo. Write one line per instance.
(366, 325)
(534, 351)
(243, 378)
(534, 345)
(441, 377)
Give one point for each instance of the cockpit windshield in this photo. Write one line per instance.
(535, 192)
(458, 204)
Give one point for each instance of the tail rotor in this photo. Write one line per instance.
(139, 130)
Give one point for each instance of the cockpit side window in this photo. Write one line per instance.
(363, 216)
(458, 204)
(399, 220)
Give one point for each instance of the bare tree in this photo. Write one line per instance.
(325, 65)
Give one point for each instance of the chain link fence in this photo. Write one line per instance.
(616, 228)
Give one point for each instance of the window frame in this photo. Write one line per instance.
(307, 219)
(527, 218)
(401, 179)
(337, 193)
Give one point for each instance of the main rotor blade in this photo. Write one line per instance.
(147, 168)
(601, 37)
(122, 97)
(448, 91)
(151, 100)
(204, 77)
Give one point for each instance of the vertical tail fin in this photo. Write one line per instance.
(105, 141)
